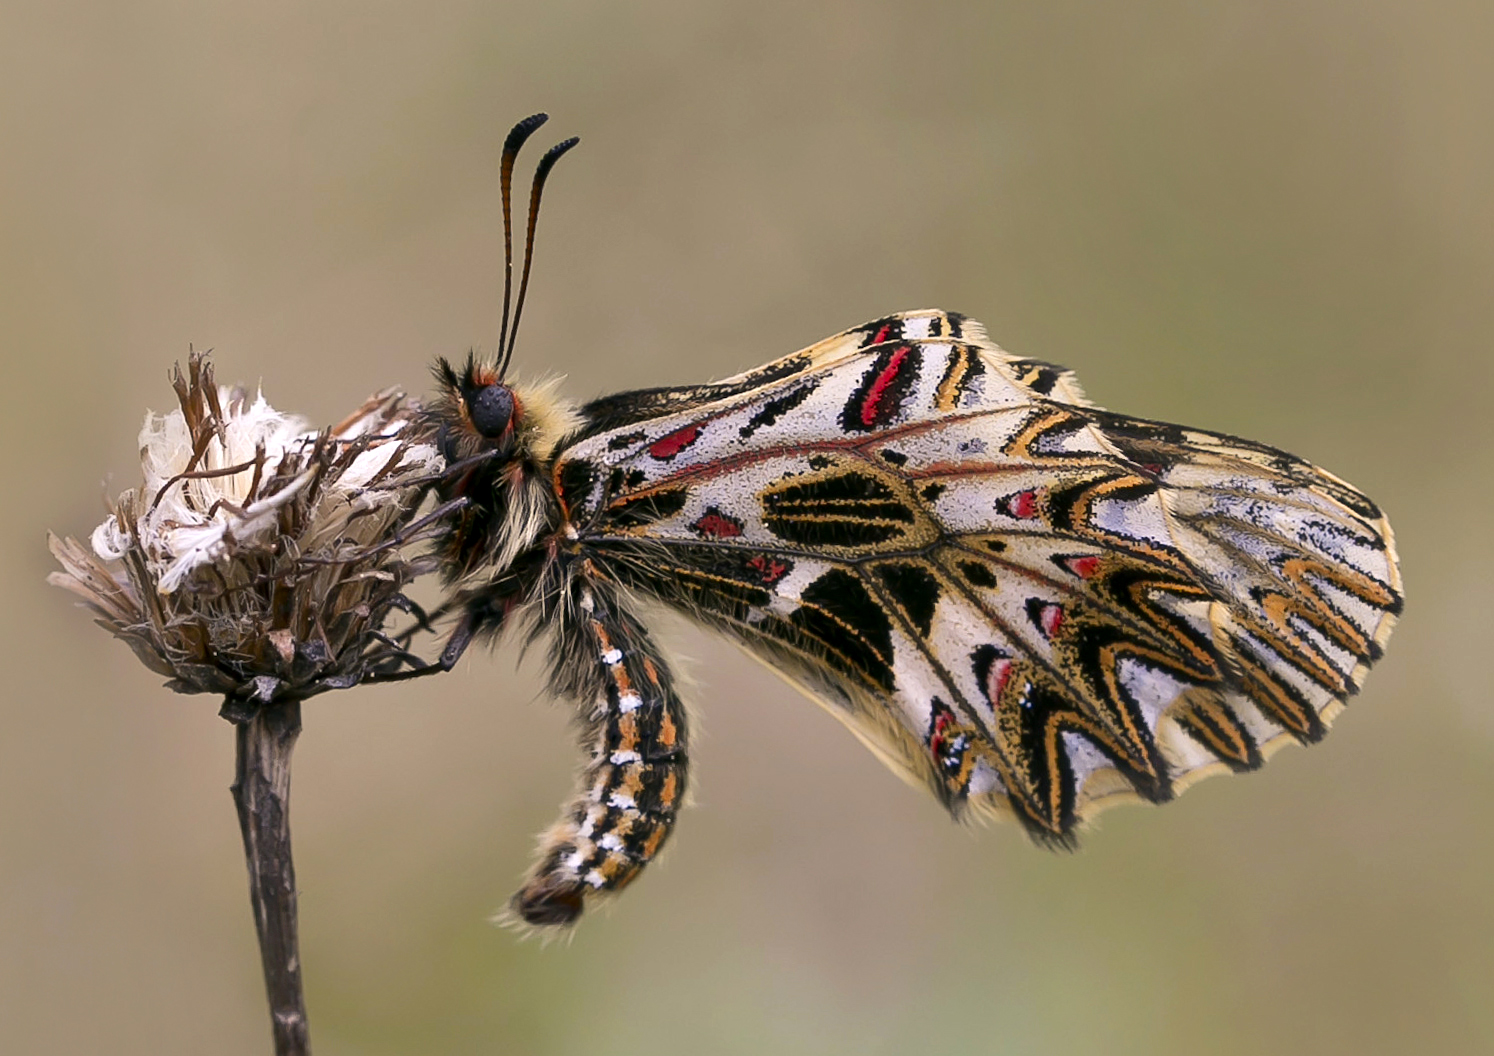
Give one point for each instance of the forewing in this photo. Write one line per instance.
(1018, 598)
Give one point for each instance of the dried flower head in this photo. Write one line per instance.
(260, 558)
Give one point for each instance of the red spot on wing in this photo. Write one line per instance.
(1083, 567)
(881, 334)
(1050, 619)
(879, 387)
(770, 570)
(997, 678)
(674, 443)
(717, 525)
(1023, 505)
(936, 739)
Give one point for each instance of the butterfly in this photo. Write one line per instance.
(1030, 605)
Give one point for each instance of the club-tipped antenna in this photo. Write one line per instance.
(516, 137)
(541, 173)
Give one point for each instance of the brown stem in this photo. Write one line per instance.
(261, 791)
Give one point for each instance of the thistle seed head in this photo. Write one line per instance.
(260, 558)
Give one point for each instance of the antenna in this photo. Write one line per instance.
(516, 137)
(541, 173)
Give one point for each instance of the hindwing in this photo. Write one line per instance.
(1016, 598)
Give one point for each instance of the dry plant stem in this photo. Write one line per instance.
(261, 791)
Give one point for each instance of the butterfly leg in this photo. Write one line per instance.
(471, 623)
(634, 781)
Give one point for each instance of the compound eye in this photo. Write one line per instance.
(492, 410)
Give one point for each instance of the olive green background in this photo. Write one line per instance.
(1273, 219)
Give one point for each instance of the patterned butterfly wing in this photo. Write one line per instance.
(1023, 601)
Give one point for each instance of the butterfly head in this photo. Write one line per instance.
(498, 438)
(478, 412)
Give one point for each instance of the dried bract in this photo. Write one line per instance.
(260, 558)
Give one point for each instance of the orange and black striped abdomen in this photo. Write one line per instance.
(634, 781)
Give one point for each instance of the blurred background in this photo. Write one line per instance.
(1272, 219)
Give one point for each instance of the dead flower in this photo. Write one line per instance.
(260, 558)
